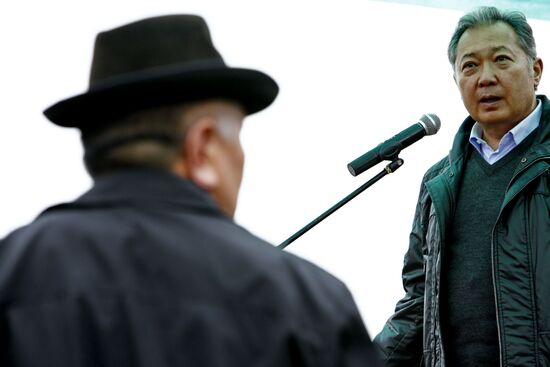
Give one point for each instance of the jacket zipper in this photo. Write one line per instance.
(495, 292)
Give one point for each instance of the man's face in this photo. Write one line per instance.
(495, 78)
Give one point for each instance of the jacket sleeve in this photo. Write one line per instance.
(400, 340)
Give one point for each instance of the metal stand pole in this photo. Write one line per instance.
(390, 168)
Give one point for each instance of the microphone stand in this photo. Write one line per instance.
(390, 168)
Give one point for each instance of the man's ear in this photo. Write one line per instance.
(537, 71)
(199, 148)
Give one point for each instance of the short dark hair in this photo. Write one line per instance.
(487, 15)
(151, 138)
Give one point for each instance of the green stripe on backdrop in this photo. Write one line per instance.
(538, 9)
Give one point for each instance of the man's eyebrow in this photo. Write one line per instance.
(465, 56)
(500, 48)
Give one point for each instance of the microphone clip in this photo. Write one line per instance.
(394, 165)
(389, 152)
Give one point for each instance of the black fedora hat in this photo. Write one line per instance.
(158, 61)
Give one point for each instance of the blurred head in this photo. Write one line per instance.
(161, 96)
(495, 66)
(199, 141)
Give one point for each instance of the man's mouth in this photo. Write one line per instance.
(489, 99)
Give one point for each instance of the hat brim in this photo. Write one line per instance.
(115, 98)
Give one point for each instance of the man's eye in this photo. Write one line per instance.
(468, 65)
(502, 58)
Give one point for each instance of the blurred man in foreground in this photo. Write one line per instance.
(148, 268)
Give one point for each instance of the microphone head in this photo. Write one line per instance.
(431, 123)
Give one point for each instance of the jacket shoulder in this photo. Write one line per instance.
(438, 168)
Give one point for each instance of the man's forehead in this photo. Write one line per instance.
(492, 38)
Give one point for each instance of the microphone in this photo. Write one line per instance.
(428, 124)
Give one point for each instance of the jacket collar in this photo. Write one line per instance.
(145, 188)
(542, 139)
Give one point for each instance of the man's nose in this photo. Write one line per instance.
(487, 75)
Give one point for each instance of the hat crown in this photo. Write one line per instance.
(152, 43)
(156, 62)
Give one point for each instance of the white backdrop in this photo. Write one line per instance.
(351, 73)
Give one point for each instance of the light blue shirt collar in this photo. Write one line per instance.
(510, 140)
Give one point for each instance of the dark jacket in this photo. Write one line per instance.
(520, 260)
(144, 270)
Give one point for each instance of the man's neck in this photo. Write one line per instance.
(493, 135)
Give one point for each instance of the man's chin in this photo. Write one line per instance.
(491, 118)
